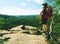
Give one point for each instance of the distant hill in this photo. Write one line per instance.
(7, 22)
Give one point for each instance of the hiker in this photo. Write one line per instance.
(45, 16)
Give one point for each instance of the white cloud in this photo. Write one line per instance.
(23, 4)
(39, 1)
(18, 11)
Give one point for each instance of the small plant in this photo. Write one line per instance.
(17, 39)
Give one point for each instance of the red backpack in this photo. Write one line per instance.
(49, 12)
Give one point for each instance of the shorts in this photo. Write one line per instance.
(44, 20)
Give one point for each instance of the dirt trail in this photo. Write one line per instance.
(20, 38)
(23, 38)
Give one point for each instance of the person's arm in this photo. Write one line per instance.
(41, 13)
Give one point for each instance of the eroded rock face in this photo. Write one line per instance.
(18, 37)
(30, 27)
(22, 28)
(17, 28)
(21, 38)
(25, 27)
(4, 31)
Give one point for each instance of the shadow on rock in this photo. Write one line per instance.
(4, 40)
(33, 32)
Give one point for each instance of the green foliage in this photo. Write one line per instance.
(52, 41)
(8, 22)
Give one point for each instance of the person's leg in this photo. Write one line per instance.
(44, 24)
(46, 31)
(45, 27)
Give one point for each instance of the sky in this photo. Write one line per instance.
(20, 7)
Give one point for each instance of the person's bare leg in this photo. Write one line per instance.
(45, 27)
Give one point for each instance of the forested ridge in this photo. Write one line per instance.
(8, 22)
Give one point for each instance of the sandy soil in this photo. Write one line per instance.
(21, 38)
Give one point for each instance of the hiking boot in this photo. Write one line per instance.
(48, 37)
